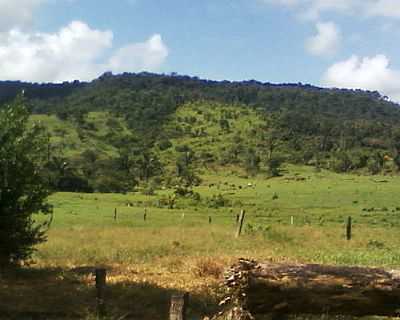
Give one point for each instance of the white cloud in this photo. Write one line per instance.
(148, 55)
(289, 3)
(327, 40)
(319, 6)
(371, 73)
(17, 13)
(74, 52)
(312, 9)
(385, 8)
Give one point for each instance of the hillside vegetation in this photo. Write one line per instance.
(121, 132)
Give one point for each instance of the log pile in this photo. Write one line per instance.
(258, 289)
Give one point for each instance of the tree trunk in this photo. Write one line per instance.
(261, 288)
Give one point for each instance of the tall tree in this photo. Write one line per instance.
(23, 186)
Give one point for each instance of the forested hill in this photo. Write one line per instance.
(344, 103)
(121, 130)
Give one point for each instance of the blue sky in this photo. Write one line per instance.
(341, 43)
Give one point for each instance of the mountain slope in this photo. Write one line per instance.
(122, 130)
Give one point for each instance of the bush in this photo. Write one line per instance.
(111, 184)
(148, 190)
(183, 148)
(360, 160)
(73, 183)
(218, 201)
(342, 162)
(208, 267)
(274, 166)
(375, 164)
(164, 145)
(375, 244)
(183, 191)
(23, 186)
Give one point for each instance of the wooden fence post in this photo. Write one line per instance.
(145, 214)
(348, 229)
(100, 292)
(115, 214)
(178, 307)
(240, 226)
(209, 219)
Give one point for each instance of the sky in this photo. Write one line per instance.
(329, 43)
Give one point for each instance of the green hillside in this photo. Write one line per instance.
(144, 130)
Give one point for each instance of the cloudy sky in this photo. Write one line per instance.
(333, 43)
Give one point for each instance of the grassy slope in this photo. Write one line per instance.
(206, 119)
(204, 135)
(68, 140)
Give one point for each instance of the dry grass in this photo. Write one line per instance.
(138, 291)
(146, 265)
(209, 268)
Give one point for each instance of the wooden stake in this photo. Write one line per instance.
(100, 290)
(115, 214)
(240, 226)
(209, 219)
(348, 229)
(291, 220)
(145, 214)
(178, 307)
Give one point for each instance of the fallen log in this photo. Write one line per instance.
(255, 289)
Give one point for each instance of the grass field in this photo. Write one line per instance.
(179, 249)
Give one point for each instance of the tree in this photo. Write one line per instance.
(342, 162)
(145, 164)
(23, 186)
(185, 170)
(274, 166)
(252, 161)
(397, 161)
(375, 163)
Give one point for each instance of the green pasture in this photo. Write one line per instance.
(180, 250)
(85, 230)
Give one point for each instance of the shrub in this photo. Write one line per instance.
(375, 163)
(274, 166)
(73, 183)
(208, 267)
(23, 186)
(164, 145)
(342, 162)
(110, 184)
(148, 190)
(218, 201)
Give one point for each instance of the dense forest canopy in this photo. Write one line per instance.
(120, 131)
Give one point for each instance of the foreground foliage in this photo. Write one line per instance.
(23, 187)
